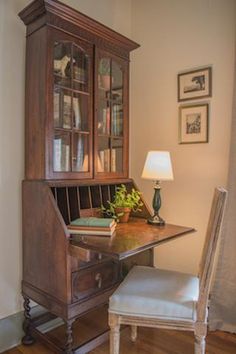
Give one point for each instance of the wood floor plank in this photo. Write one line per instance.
(153, 341)
(13, 351)
(36, 348)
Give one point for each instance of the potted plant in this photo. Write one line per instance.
(123, 203)
(104, 71)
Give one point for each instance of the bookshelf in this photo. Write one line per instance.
(76, 153)
(77, 117)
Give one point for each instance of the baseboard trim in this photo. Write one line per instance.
(11, 330)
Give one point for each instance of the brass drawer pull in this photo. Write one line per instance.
(98, 279)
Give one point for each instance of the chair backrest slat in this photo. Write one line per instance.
(209, 250)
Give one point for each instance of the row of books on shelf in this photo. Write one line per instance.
(61, 155)
(92, 226)
(107, 160)
(63, 111)
(117, 121)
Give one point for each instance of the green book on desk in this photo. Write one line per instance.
(92, 226)
(93, 222)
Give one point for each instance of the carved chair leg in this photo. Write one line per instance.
(200, 336)
(200, 344)
(133, 333)
(69, 338)
(27, 339)
(114, 334)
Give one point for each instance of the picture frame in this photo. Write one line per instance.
(195, 84)
(194, 124)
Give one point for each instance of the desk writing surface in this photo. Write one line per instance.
(130, 238)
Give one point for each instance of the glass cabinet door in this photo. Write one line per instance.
(72, 111)
(111, 146)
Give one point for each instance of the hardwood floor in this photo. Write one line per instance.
(153, 341)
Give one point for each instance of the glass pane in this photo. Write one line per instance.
(62, 108)
(117, 76)
(117, 95)
(80, 152)
(103, 158)
(117, 155)
(104, 117)
(104, 79)
(117, 119)
(62, 63)
(61, 152)
(80, 69)
(81, 111)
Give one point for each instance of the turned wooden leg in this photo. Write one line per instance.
(200, 337)
(200, 344)
(27, 339)
(114, 334)
(133, 333)
(69, 338)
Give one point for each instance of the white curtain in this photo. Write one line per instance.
(222, 313)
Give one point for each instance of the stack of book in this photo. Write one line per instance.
(92, 226)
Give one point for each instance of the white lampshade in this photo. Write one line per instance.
(157, 166)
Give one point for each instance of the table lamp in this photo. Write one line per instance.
(158, 168)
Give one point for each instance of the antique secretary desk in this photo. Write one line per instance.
(76, 153)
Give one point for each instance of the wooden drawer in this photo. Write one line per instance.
(93, 280)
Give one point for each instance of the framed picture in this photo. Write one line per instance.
(195, 84)
(193, 123)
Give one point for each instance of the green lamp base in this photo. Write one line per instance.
(156, 204)
(156, 220)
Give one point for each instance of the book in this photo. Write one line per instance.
(80, 153)
(66, 111)
(56, 106)
(77, 112)
(95, 232)
(92, 226)
(113, 160)
(85, 166)
(65, 157)
(57, 154)
(92, 221)
(107, 160)
(104, 120)
(101, 158)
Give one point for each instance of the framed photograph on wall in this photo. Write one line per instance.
(193, 123)
(195, 84)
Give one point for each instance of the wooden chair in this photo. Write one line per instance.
(157, 298)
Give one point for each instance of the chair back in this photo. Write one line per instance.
(209, 250)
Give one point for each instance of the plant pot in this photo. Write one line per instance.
(105, 81)
(125, 212)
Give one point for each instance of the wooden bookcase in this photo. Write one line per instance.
(77, 79)
(76, 153)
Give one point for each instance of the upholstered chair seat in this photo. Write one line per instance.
(150, 292)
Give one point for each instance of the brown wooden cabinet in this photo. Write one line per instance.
(77, 78)
(76, 153)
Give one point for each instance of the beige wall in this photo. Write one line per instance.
(178, 35)
(174, 35)
(12, 58)
(116, 14)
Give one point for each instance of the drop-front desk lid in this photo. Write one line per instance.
(130, 238)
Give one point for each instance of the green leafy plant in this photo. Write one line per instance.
(123, 199)
(104, 67)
